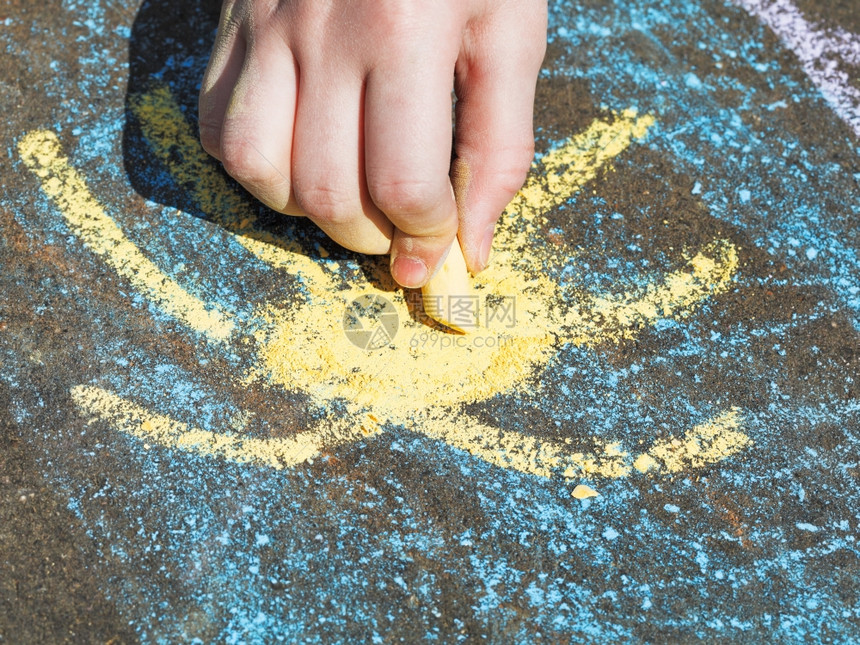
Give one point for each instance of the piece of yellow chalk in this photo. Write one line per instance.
(584, 492)
(448, 296)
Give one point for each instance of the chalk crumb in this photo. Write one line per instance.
(584, 492)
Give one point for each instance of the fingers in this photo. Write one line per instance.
(225, 64)
(494, 139)
(407, 126)
(257, 130)
(249, 114)
(359, 138)
(328, 164)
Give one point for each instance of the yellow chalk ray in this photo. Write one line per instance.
(523, 452)
(565, 169)
(168, 132)
(42, 153)
(132, 419)
(709, 442)
(706, 443)
(597, 319)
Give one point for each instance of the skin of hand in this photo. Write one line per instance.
(340, 110)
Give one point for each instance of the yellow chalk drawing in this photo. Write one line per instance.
(133, 419)
(705, 444)
(422, 379)
(42, 153)
(564, 170)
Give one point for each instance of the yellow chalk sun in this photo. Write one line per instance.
(422, 378)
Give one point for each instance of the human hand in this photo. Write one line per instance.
(341, 111)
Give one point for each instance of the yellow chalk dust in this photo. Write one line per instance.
(306, 346)
(43, 155)
(645, 462)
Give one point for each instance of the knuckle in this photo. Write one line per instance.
(395, 21)
(404, 196)
(245, 164)
(327, 203)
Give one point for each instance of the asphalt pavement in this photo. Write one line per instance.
(654, 436)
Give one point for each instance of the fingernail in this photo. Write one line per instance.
(486, 246)
(410, 272)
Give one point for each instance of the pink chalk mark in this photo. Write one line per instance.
(823, 52)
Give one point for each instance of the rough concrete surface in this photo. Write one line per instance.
(162, 481)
